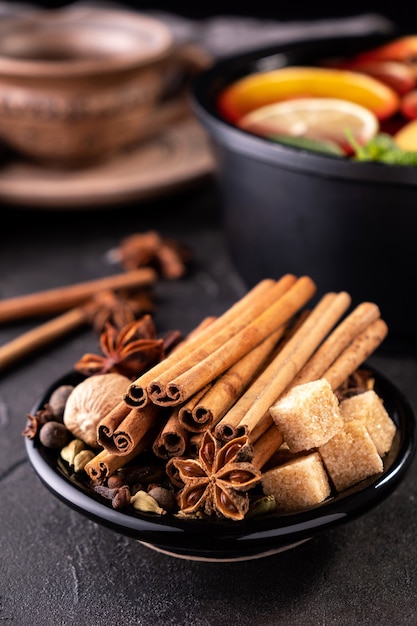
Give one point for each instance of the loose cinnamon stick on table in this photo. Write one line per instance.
(52, 301)
(48, 332)
(138, 391)
(252, 409)
(42, 335)
(231, 349)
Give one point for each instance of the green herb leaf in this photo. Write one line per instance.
(383, 149)
(326, 147)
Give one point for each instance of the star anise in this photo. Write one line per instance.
(168, 256)
(118, 309)
(35, 421)
(217, 482)
(129, 351)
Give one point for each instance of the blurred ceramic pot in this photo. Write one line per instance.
(79, 83)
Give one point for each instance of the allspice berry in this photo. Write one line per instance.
(115, 481)
(58, 400)
(164, 498)
(54, 435)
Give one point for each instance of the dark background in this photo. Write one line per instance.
(58, 568)
(404, 14)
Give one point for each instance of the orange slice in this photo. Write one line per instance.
(406, 137)
(323, 119)
(260, 89)
(397, 75)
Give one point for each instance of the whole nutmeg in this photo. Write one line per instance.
(54, 435)
(90, 401)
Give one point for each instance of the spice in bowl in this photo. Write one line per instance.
(268, 407)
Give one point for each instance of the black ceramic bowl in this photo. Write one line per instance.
(349, 225)
(230, 540)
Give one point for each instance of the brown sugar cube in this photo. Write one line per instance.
(308, 415)
(281, 456)
(350, 456)
(369, 409)
(297, 484)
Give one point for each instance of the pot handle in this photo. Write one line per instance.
(187, 60)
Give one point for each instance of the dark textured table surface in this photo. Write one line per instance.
(59, 568)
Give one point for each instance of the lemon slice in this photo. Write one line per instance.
(263, 88)
(322, 119)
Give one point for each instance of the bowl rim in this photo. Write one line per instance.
(208, 84)
(159, 41)
(226, 538)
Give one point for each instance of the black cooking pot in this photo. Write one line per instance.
(349, 225)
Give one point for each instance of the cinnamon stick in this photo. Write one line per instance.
(113, 424)
(41, 336)
(349, 358)
(265, 446)
(226, 427)
(252, 409)
(106, 463)
(194, 443)
(172, 439)
(133, 428)
(109, 424)
(226, 390)
(356, 353)
(59, 299)
(347, 362)
(186, 411)
(226, 349)
(138, 394)
(356, 322)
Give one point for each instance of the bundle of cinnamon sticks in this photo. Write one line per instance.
(231, 369)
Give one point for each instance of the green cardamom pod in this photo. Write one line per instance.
(262, 505)
(70, 451)
(142, 501)
(82, 458)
